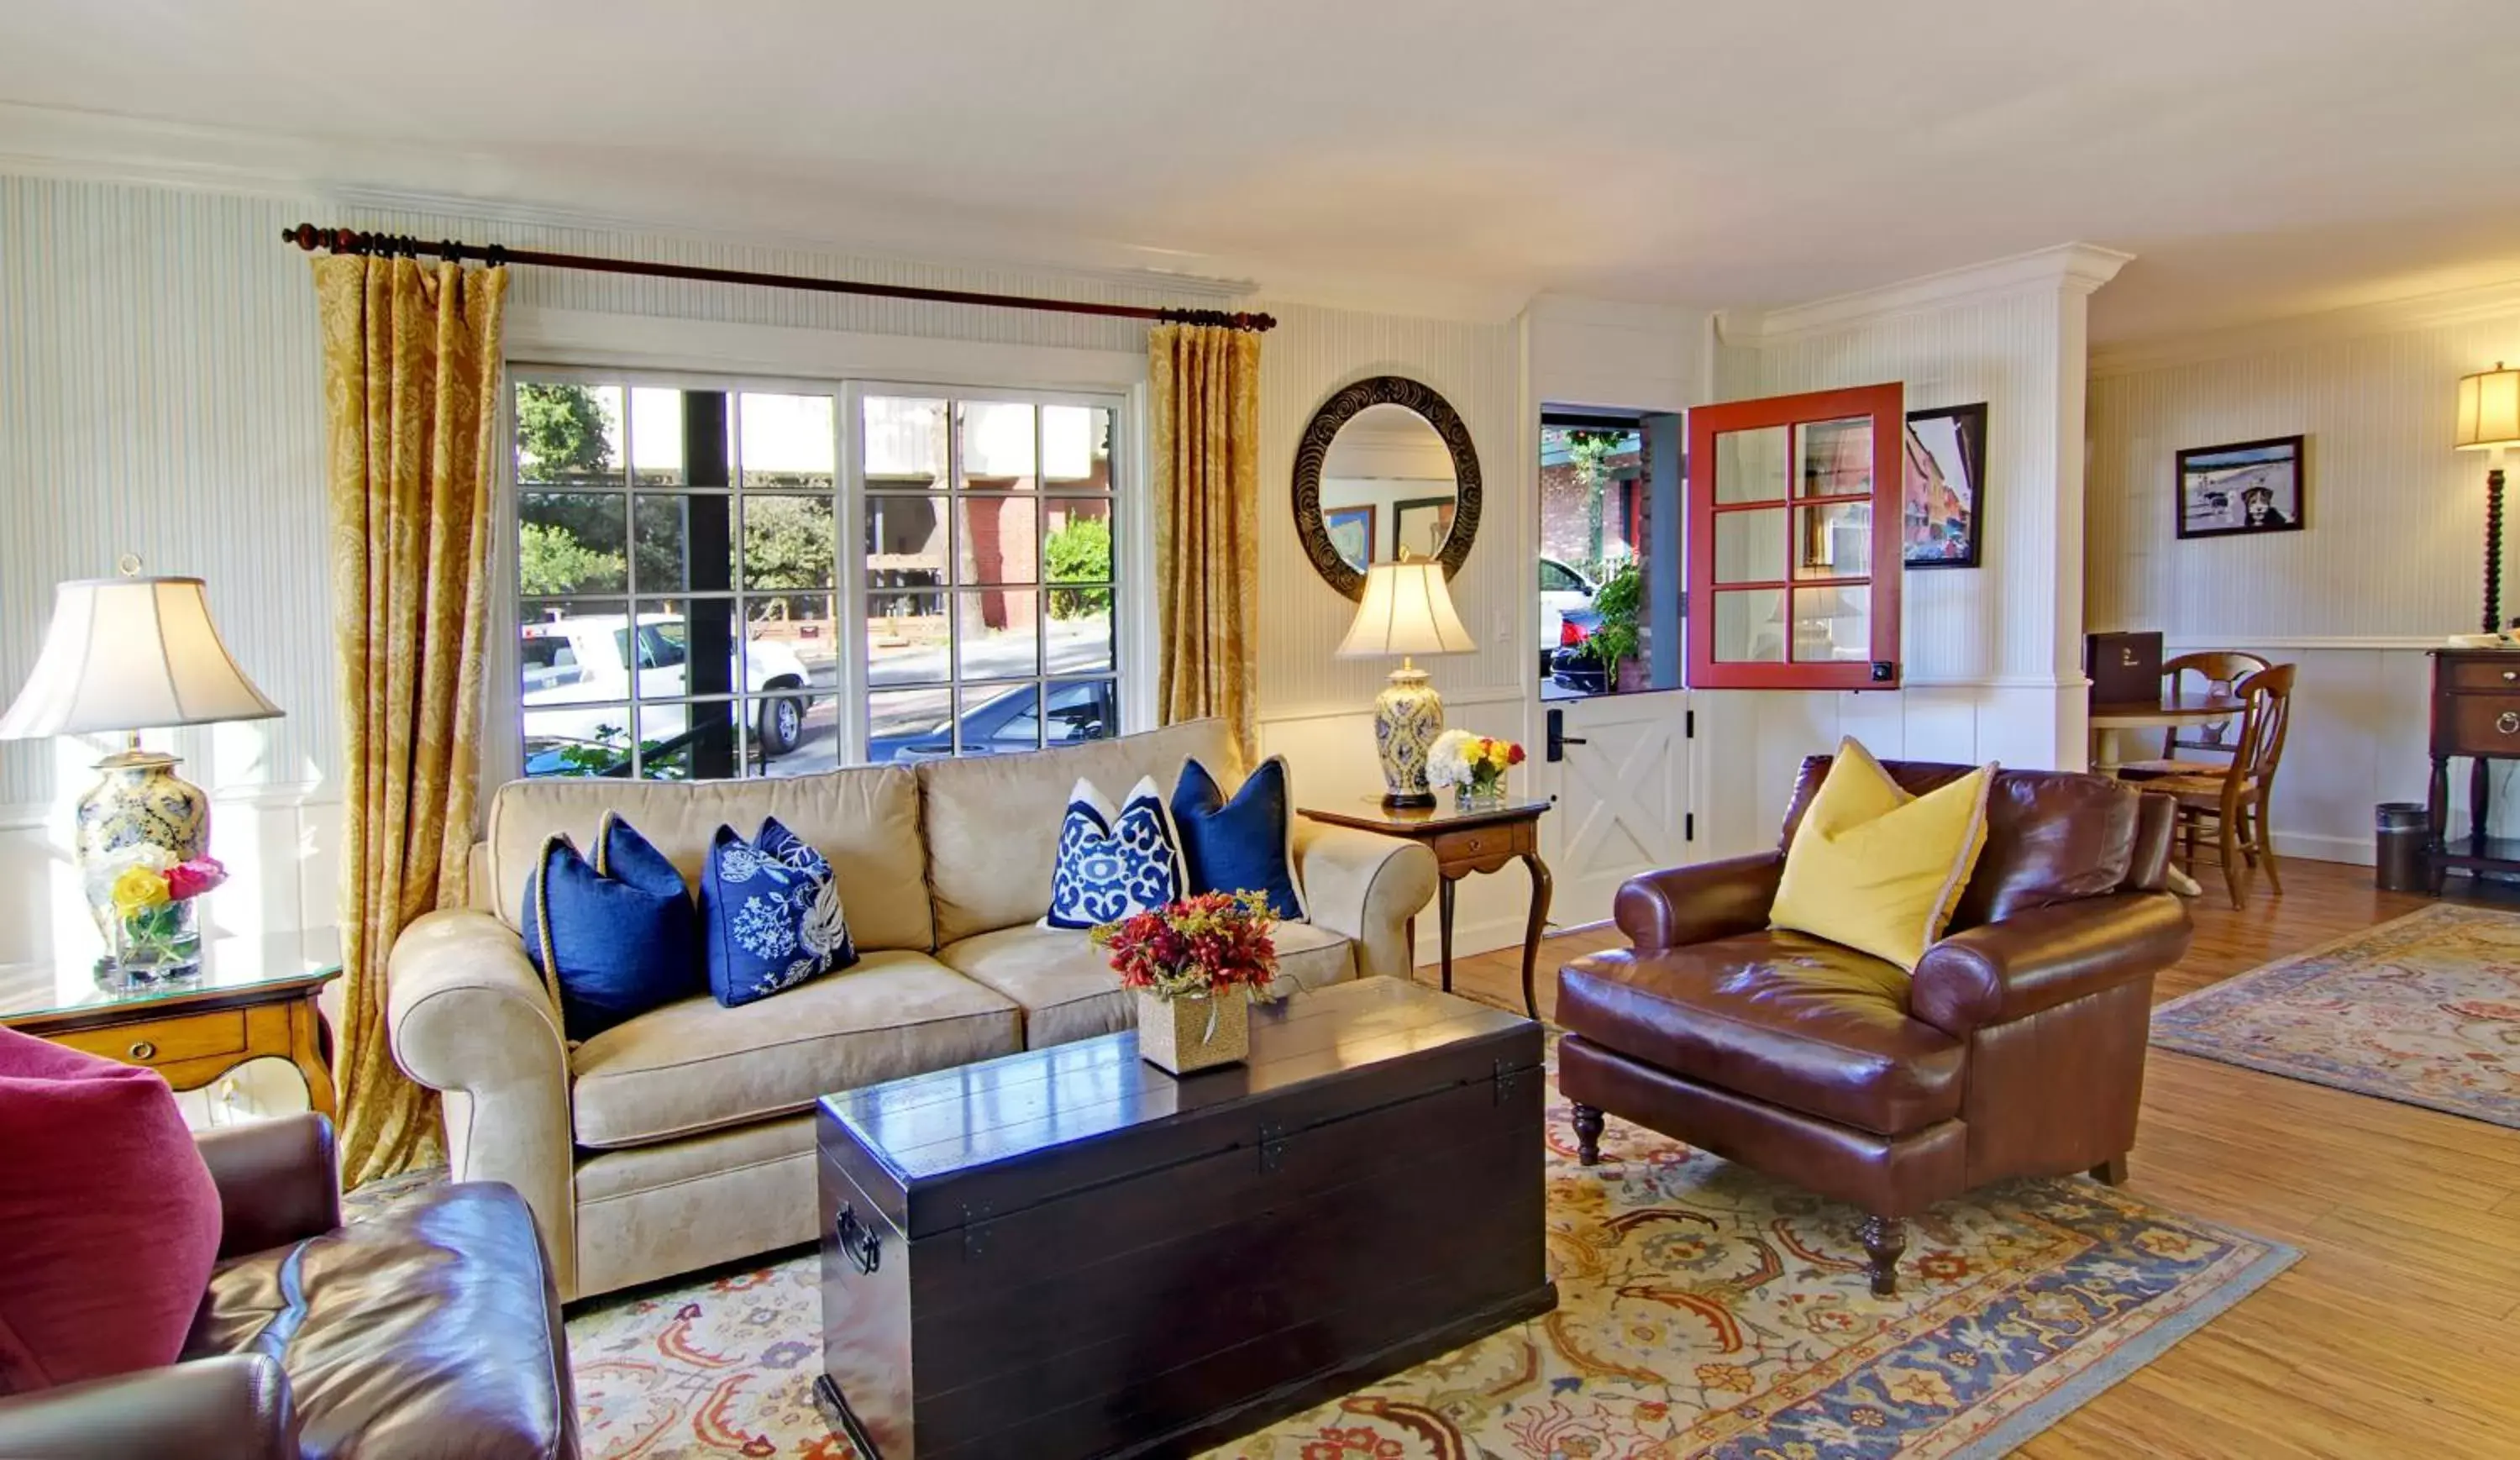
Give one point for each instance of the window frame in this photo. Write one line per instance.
(633, 351)
(1885, 406)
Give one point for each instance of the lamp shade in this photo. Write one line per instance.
(131, 653)
(1405, 610)
(2489, 409)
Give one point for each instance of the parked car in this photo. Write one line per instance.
(588, 659)
(1007, 723)
(1563, 590)
(1568, 663)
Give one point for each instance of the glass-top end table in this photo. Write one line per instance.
(252, 998)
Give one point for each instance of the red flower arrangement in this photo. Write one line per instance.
(1195, 947)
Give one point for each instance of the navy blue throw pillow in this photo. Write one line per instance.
(1113, 864)
(1246, 844)
(612, 939)
(769, 914)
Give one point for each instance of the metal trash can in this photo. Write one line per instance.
(2400, 829)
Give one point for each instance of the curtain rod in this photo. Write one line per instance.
(310, 239)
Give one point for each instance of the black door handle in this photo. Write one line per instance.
(1559, 739)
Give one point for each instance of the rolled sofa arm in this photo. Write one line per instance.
(276, 1179)
(1999, 972)
(233, 1408)
(470, 1018)
(1364, 888)
(1683, 905)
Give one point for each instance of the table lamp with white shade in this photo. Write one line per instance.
(125, 655)
(1407, 611)
(2488, 420)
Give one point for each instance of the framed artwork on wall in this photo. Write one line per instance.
(2247, 487)
(1419, 528)
(1942, 517)
(1351, 531)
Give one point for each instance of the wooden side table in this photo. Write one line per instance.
(253, 998)
(1480, 840)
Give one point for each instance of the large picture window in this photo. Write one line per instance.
(685, 611)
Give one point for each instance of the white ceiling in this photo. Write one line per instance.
(2260, 157)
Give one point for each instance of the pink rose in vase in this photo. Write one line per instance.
(191, 878)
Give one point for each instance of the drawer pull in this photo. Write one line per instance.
(2507, 722)
(2509, 675)
(144, 1050)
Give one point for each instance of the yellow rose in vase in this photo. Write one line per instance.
(138, 889)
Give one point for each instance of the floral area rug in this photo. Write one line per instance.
(1704, 1310)
(2423, 1009)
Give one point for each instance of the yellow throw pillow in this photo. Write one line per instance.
(1878, 869)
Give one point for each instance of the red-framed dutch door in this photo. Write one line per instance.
(1794, 540)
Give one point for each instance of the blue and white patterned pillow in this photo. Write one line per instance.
(769, 914)
(1113, 864)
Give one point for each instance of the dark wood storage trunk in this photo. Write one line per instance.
(1070, 1253)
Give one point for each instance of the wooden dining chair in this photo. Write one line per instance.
(2231, 803)
(2208, 748)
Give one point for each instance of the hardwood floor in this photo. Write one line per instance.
(2398, 1333)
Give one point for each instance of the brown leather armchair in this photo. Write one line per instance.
(2016, 1048)
(430, 1329)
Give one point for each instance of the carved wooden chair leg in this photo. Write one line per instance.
(2266, 847)
(1884, 1239)
(2112, 1171)
(1588, 1134)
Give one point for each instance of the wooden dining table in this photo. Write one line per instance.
(2172, 710)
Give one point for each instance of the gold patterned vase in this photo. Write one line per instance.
(139, 802)
(1407, 716)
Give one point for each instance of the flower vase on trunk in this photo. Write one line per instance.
(1195, 963)
(1193, 1031)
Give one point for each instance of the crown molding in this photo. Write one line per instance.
(2074, 268)
(2298, 331)
(71, 145)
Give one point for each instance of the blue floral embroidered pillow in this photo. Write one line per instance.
(612, 939)
(769, 914)
(1113, 864)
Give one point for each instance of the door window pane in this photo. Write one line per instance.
(1836, 458)
(1750, 546)
(1749, 625)
(1833, 541)
(1750, 465)
(1833, 624)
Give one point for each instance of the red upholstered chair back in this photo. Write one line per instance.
(2050, 836)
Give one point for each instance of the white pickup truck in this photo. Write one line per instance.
(588, 661)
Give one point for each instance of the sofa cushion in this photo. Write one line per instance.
(1779, 1017)
(1875, 867)
(431, 1328)
(865, 821)
(1114, 862)
(1068, 992)
(1242, 844)
(771, 915)
(992, 822)
(106, 1214)
(697, 1066)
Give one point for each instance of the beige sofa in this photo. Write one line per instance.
(685, 1137)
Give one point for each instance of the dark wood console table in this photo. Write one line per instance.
(2476, 715)
(1465, 839)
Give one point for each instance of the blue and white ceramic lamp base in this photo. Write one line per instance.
(1407, 716)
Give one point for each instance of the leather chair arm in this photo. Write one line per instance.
(276, 1180)
(233, 1408)
(2000, 972)
(1682, 905)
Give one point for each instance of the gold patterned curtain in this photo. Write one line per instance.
(411, 380)
(1205, 382)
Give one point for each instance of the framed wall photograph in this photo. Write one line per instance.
(1942, 516)
(1351, 531)
(2247, 487)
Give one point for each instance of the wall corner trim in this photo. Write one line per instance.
(2078, 268)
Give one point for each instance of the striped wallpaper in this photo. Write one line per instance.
(160, 394)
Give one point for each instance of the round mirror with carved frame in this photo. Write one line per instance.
(1386, 470)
